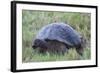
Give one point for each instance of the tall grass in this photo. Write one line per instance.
(32, 21)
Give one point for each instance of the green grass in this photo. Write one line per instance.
(71, 55)
(32, 21)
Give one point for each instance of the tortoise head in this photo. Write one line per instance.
(38, 43)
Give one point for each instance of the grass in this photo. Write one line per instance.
(32, 21)
(32, 56)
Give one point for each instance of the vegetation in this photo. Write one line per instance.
(32, 21)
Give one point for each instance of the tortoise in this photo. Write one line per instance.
(58, 38)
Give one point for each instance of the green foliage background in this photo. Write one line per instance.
(32, 21)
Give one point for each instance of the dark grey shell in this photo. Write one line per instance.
(61, 32)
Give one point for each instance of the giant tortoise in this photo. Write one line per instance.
(58, 38)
